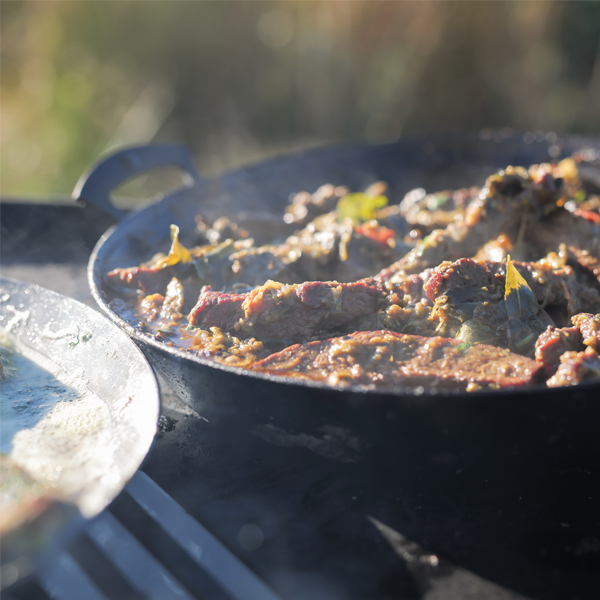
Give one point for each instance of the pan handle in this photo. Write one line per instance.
(97, 183)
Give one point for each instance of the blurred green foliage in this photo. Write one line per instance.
(240, 81)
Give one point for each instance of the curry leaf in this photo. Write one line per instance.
(519, 300)
(567, 169)
(359, 207)
(177, 253)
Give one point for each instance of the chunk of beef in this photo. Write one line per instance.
(332, 250)
(507, 199)
(415, 319)
(580, 235)
(278, 312)
(386, 360)
(469, 302)
(325, 249)
(217, 309)
(147, 278)
(365, 250)
(411, 288)
(589, 325)
(575, 368)
(553, 343)
(490, 323)
(318, 243)
(150, 307)
(463, 281)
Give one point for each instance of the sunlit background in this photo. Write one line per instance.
(241, 81)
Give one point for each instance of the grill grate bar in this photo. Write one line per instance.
(65, 580)
(221, 564)
(143, 572)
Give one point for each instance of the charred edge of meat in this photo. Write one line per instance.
(589, 326)
(386, 360)
(576, 368)
(553, 343)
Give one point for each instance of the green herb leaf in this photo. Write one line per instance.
(519, 300)
(580, 196)
(463, 346)
(359, 207)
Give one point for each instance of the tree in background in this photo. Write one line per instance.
(240, 81)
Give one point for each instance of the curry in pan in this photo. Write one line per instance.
(469, 289)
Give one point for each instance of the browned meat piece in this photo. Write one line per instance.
(469, 303)
(217, 309)
(464, 281)
(575, 368)
(386, 360)
(332, 250)
(366, 249)
(457, 289)
(589, 325)
(553, 343)
(507, 199)
(404, 309)
(491, 324)
(149, 279)
(411, 288)
(278, 312)
(151, 306)
(580, 235)
(416, 319)
(318, 243)
(325, 249)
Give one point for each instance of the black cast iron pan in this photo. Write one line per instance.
(274, 405)
(86, 444)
